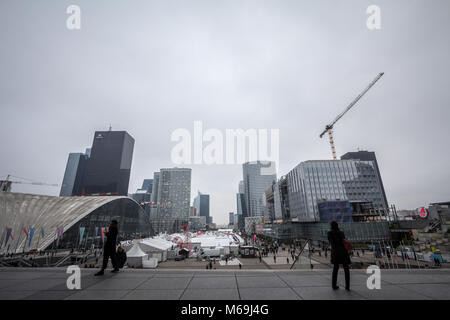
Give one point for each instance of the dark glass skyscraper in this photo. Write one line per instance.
(73, 175)
(109, 166)
(201, 203)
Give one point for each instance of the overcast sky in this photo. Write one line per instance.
(150, 67)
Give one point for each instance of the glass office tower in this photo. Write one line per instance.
(321, 180)
(73, 176)
(258, 176)
(367, 156)
(201, 204)
(109, 166)
(171, 210)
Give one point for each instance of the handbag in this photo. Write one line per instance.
(348, 246)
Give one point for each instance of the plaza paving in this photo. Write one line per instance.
(50, 283)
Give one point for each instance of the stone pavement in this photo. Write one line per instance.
(50, 283)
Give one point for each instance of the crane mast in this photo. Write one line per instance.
(329, 127)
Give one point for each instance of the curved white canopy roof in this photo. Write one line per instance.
(21, 210)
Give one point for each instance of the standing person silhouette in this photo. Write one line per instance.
(339, 255)
(109, 249)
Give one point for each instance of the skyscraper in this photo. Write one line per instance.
(109, 166)
(241, 207)
(231, 219)
(73, 176)
(201, 204)
(155, 187)
(147, 184)
(368, 156)
(172, 201)
(258, 176)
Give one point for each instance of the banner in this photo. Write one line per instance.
(30, 236)
(25, 230)
(42, 232)
(96, 231)
(59, 235)
(81, 234)
(8, 234)
(103, 234)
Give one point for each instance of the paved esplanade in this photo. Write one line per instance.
(50, 283)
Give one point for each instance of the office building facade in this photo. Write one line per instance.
(368, 156)
(315, 181)
(109, 166)
(231, 218)
(73, 176)
(257, 177)
(201, 204)
(171, 208)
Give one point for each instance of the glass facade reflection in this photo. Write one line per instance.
(321, 180)
(133, 224)
(256, 180)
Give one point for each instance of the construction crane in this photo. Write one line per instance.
(329, 128)
(6, 184)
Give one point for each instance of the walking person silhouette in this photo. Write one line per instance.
(109, 249)
(339, 255)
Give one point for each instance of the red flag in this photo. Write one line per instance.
(25, 231)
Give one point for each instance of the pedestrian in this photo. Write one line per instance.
(339, 255)
(274, 258)
(240, 266)
(287, 259)
(109, 249)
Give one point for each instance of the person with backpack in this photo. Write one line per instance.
(339, 254)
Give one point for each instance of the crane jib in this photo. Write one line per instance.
(330, 126)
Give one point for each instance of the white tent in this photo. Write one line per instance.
(156, 247)
(149, 263)
(135, 256)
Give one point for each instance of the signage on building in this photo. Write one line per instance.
(423, 212)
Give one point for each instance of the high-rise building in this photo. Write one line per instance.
(241, 187)
(201, 204)
(316, 181)
(258, 176)
(73, 176)
(241, 207)
(155, 187)
(241, 210)
(367, 156)
(172, 201)
(109, 166)
(231, 218)
(147, 185)
(144, 194)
